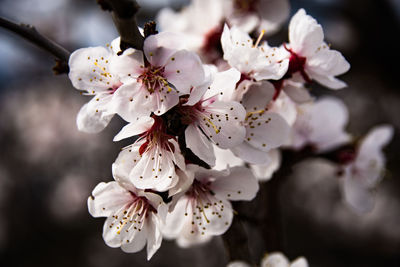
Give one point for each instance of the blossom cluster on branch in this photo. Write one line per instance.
(210, 104)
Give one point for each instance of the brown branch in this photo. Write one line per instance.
(124, 17)
(31, 34)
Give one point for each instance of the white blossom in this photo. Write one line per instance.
(365, 168)
(150, 161)
(253, 61)
(310, 56)
(204, 209)
(91, 71)
(134, 217)
(157, 76)
(213, 120)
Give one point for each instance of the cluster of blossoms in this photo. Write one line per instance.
(209, 108)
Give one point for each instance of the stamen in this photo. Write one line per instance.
(251, 113)
(259, 38)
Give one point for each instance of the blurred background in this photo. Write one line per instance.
(48, 168)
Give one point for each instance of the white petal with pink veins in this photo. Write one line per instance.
(160, 47)
(240, 184)
(184, 70)
(199, 144)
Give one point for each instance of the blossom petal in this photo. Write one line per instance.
(264, 172)
(258, 96)
(299, 262)
(89, 69)
(225, 158)
(297, 92)
(154, 237)
(131, 101)
(275, 259)
(240, 184)
(224, 85)
(93, 116)
(305, 34)
(160, 47)
(222, 123)
(357, 195)
(130, 63)
(141, 125)
(250, 154)
(107, 198)
(184, 71)
(156, 169)
(267, 131)
(199, 144)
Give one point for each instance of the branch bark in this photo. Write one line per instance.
(31, 34)
(124, 17)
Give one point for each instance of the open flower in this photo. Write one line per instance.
(91, 71)
(157, 78)
(134, 217)
(150, 161)
(212, 120)
(364, 167)
(321, 124)
(204, 209)
(253, 61)
(310, 56)
(265, 130)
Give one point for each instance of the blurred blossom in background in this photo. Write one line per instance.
(48, 168)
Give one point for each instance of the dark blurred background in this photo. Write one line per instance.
(48, 168)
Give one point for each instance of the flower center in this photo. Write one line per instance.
(153, 79)
(157, 136)
(296, 64)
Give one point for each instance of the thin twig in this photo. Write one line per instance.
(124, 17)
(31, 34)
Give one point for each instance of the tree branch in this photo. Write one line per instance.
(31, 34)
(124, 17)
